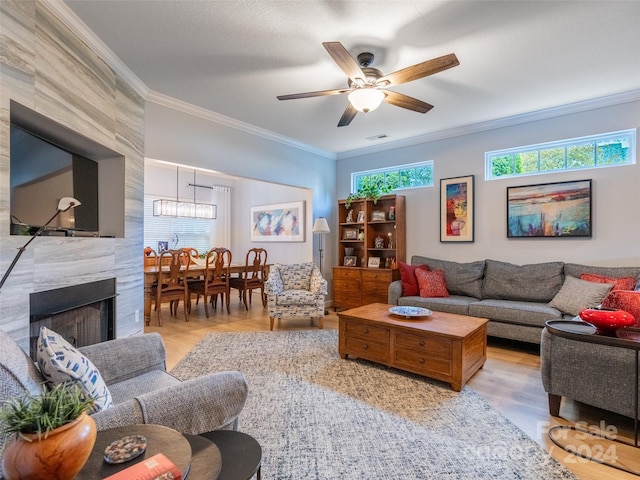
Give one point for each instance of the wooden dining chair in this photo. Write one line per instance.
(253, 276)
(194, 256)
(216, 278)
(150, 257)
(172, 283)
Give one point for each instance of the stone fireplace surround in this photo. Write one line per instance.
(55, 72)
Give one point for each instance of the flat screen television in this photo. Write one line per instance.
(42, 173)
(49, 160)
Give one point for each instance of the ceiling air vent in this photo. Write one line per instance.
(378, 137)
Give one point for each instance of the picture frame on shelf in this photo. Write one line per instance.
(361, 216)
(350, 261)
(378, 216)
(457, 220)
(350, 234)
(550, 210)
(374, 262)
(392, 213)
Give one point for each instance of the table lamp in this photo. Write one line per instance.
(65, 203)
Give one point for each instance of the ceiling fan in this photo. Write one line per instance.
(368, 86)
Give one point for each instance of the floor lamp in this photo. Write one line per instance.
(321, 227)
(65, 203)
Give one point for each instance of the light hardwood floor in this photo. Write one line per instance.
(510, 381)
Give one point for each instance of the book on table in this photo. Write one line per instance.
(157, 467)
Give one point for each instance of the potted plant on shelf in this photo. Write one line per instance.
(373, 192)
(54, 434)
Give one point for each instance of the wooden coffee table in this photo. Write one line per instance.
(443, 346)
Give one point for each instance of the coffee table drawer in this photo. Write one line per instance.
(368, 332)
(364, 348)
(433, 347)
(423, 363)
(428, 355)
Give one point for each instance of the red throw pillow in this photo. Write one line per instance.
(408, 278)
(629, 301)
(432, 284)
(624, 283)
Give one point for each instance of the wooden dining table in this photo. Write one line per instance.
(196, 270)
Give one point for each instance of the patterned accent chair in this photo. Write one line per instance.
(142, 390)
(295, 291)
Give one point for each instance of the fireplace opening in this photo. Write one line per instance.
(82, 314)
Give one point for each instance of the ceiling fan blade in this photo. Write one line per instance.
(320, 93)
(348, 115)
(344, 60)
(405, 101)
(420, 70)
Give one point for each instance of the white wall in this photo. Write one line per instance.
(616, 193)
(252, 193)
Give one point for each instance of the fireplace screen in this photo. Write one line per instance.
(82, 314)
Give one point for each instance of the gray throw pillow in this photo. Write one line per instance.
(461, 278)
(536, 282)
(576, 295)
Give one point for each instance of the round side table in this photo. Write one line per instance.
(241, 454)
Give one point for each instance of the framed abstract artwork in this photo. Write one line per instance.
(561, 209)
(456, 209)
(281, 222)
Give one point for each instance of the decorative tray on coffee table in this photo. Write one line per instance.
(410, 312)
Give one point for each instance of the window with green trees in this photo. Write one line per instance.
(605, 150)
(394, 178)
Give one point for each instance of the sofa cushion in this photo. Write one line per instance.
(453, 304)
(577, 294)
(515, 312)
(296, 297)
(462, 278)
(575, 270)
(60, 362)
(536, 282)
(432, 284)
(624, 283)
(408, 278)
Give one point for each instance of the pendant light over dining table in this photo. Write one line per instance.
(177, 208)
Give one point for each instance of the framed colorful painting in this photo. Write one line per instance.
(561, 209)
(280, 222)
(456, 209)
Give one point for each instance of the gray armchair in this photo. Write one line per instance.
(143, 392)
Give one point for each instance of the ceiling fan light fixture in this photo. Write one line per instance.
(366, 99)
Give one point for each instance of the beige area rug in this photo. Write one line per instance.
(320, 417)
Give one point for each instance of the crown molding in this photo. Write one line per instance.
(63, 13)
(220, 119)
(570, 108)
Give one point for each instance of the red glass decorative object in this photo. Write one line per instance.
(607, 321)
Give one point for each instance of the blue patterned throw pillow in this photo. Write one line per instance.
(60, 362)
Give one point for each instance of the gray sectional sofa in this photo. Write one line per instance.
(515, 298)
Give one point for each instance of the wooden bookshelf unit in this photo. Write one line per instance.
(369, 233)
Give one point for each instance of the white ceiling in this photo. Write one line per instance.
(233, 57)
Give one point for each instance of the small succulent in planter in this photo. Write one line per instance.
(55, 434)
(42, 413)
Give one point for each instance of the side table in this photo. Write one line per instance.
(241, 454)
(196, 457)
